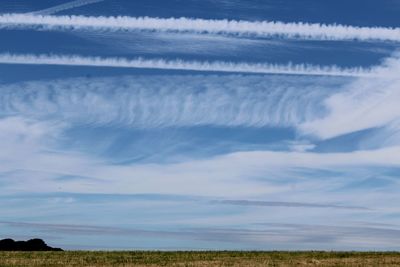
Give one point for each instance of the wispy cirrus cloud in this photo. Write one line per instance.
(316, 110)
(156, 101)
(363, 104)
(263, 28)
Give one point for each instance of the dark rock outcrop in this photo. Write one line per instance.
(30, 245)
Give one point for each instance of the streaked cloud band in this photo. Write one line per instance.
(257, 28)
(156, 101)
(208, 66)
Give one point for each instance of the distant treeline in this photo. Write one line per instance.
(30, 245)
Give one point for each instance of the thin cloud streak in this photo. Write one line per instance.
(212, 66)
(284, 204)
(301, 30)
(64, 7)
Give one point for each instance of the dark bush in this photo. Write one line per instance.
(30, 245)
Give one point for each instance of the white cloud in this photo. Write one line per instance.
(231, 175)
(212, 66)
(157, 101)
(366, 103)
(258, 28)
(22, 136)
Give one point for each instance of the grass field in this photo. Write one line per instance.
(233, 258)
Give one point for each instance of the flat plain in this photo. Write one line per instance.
(203, 259)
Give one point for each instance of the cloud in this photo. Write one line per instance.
(214, 66)
(43, 110)
(157, 101)
(386, 136)
(23, 135)
(64, 7)
(240, 197)
(258, 203)
(364, 104)
(342, 236)
(263, 236)
(261, 28)
(232, 175)
(168, 198)
(181, 43)
(357, 105)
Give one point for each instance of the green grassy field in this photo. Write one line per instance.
(233, 258)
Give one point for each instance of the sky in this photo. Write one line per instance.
(201, 124)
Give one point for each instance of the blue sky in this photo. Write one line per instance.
(212, 124)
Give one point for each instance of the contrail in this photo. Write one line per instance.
(214, 66)
(63, 7)
(233, 27)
